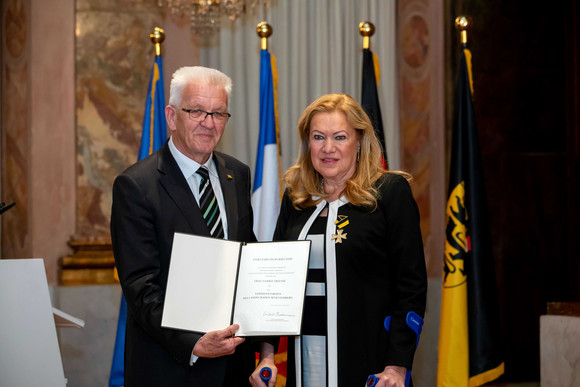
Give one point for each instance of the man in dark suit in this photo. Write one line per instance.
(160, 195)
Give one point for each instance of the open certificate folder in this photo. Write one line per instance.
(214, 283)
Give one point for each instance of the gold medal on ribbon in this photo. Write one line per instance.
(339, 236)
(341, 222)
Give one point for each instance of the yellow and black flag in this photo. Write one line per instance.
(470, 340)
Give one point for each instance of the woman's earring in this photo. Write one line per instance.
(358, 154)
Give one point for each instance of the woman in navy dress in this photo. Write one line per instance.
(366, 260)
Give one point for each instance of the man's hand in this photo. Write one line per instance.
(218, 343)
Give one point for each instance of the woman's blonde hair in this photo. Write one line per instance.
(304, 182)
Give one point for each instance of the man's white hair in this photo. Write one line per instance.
(200, 75)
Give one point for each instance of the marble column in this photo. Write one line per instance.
(38, 129)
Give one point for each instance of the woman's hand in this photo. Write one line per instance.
(392, 376)
(266, 360)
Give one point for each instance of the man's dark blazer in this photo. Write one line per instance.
(152, 201)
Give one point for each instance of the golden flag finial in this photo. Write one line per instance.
(462, 23)
(264, 30)
(157, 37)
(366, 29)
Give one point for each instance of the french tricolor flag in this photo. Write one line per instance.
(266, 190)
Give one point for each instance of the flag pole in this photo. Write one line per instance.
(157, 37)
(267, 187)
(264, 31)
(371, 75)
(366, 29)
(117, 374)
(470, 337)
(463, 23)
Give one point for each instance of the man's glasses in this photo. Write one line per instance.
(201, 115)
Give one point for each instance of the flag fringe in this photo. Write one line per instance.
(487, 376)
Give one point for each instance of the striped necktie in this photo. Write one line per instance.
(209, 206)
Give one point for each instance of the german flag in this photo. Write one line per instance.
(370, 97)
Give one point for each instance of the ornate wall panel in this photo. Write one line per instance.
(113, 62)
(421, 116)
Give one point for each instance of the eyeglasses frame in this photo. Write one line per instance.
(189, 111)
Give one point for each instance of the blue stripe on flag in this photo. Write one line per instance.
(267, 115)
(117, 377)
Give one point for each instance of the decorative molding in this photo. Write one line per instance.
(563, 308)
(92, 263)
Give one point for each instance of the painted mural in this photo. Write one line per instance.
(113, 62)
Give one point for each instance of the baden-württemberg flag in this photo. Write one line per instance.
(266, 190)
(153, 136)
(370, 97)
(470, 342)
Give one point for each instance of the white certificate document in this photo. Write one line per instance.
(213, 283)
(271, 288)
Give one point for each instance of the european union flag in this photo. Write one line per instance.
(154, 135)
